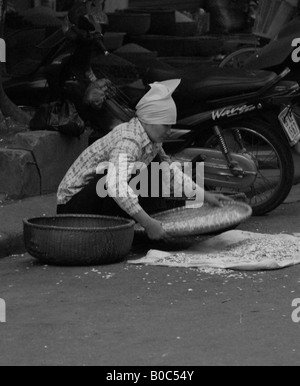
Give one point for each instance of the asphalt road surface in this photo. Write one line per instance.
(136, 315)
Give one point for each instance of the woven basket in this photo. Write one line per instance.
(184, 222)
(79, 240)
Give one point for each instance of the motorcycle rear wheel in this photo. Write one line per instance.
(274, 160)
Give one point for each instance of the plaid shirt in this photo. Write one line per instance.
(130, 139)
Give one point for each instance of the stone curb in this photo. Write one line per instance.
(11, 221)
(11, 244)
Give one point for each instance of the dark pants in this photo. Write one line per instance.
(87, 202)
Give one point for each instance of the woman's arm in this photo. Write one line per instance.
(153, 227)
(191, 189)
(120, 190)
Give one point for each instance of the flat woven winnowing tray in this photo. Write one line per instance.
(183, 222)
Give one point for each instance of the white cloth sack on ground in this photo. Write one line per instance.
(283, 251)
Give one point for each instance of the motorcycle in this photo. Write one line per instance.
(224, 121)
(65, 72)
(277, 54)
(224, 118)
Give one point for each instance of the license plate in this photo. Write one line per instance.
(290, 125)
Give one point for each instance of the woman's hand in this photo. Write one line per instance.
(152, 227)
(155, 230)
(216, 199)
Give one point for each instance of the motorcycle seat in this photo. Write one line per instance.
(212, 83)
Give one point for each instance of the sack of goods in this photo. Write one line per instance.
(58, 116)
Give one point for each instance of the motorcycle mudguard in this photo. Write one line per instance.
(217, 171)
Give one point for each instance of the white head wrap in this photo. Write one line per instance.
(157, 107)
